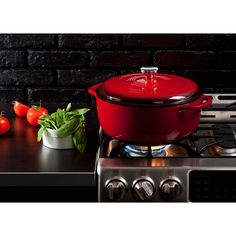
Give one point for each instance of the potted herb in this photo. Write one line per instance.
(64, 129)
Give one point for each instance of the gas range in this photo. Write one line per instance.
(200, 168)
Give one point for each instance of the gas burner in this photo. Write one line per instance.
(146, 151)
(226, 138)
(220, 151)
(117, 149)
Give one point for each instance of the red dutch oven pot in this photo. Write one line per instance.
(149, 108)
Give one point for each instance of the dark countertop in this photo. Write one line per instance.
(20, 153)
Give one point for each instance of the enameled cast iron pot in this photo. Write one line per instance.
(149, 108)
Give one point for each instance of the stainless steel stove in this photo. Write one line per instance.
(201, 168)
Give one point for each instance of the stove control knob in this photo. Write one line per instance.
(170, 189)
(115, 189)
(144, 188)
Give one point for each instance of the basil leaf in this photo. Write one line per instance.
(80, 139)
(68, 128)
(44, 116)
(79, 112)
(51, 124)
(40, 133)
(59, 117)
(68, 107)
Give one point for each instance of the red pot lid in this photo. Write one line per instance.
(149, 88)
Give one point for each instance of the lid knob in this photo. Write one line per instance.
(149, 69)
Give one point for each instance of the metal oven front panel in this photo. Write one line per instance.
(195, 181)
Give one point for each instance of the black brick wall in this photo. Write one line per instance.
(60, 67)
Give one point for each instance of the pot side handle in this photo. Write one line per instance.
(205, 102)
(93, 89)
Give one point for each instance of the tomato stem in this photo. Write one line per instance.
(2, 113)
(37, 107)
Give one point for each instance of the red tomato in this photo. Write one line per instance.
(4, 125)
(34, 113)
(20, 109)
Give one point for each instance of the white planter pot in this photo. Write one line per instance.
(51, 140)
